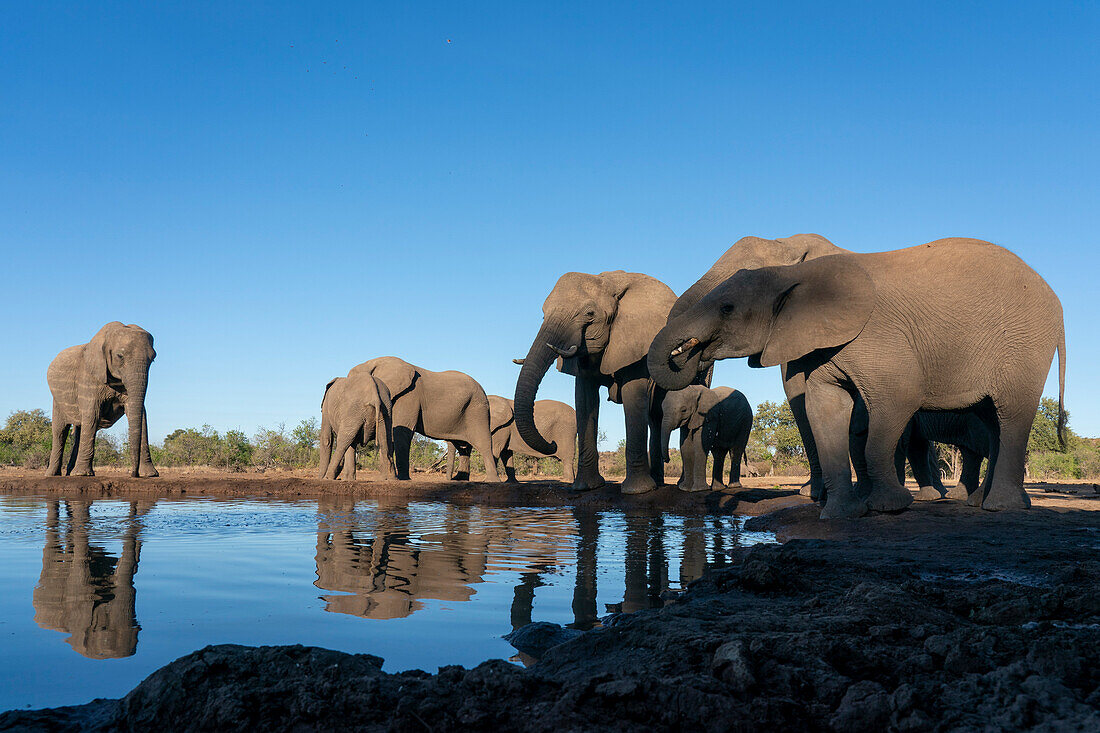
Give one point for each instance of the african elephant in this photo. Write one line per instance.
(354, 411)
(441, 405)
(601, 327)
(950, 325)
(964, 430)
(93, 385)
(554, 419)
(711, 420)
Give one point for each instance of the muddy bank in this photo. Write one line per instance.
(760, 499)
(941, 617)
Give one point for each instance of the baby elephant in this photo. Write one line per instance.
(354, 411)
(715, 421)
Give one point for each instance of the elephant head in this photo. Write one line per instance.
(596, 323)
(772, 315)
(119, 356)
(683, 408)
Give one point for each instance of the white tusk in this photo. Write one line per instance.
(691, 343)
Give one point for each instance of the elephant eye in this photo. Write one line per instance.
(726, 309)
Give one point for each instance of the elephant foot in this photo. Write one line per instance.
(460, 476)
(719, 486)
(889, 499)
(974, 499)
(82, 472)
(928, 493)
(959, 492)
(848, 508)
(806, 490)
(149, 471)
(735, 485)
(1000, 501)
(587, 483)
(693, 488)
(638, 484)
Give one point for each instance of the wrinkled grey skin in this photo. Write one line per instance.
(715, 421)
(447, 405)
(950, 325)
(601, 326)
(554, 419)
(354, 411)
(95, 384)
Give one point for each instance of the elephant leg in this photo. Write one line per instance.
(718, 455)
(344, 439)
(89, 420)
(794, 386)
(969, 477)
(567, 448)
(693, 446)
(737, 455)
(588, 414)
(324, 448)
(509, 468)
(1006, 489)
(687, 462)
(857, 448)
(656, 450)
(348, 470)
(73, 451)
(402, 444)
(146, 469)
(482, 441)
(635, 394)
(920, 452)
(885, 425)
(829, 411)
(60, 433)
(450, 460)
(462, 471)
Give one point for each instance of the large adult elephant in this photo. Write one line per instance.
(601, 327)
(95, 384)
(955, 324)
(446, 405)
(554, 419)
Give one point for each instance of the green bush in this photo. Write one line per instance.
(1054, 465)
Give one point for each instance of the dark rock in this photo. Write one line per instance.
(539, 637)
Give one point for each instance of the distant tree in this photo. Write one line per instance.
(237, 451)
(775, 429)
(26, 439)
(1044, 431)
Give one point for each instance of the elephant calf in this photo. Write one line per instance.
(555, 420)
(715, 421)
(354, 411)
(93, 385)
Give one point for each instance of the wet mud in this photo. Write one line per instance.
(941, 617)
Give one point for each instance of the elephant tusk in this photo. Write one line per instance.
(518, 361)
(564, 353)
(691, 343)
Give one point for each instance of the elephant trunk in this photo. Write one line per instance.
(675, 354)
(549, 342)
(135, 415)
(667, 426)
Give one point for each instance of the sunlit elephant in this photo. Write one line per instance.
(601, 327)
(950, 325)
(447, 405)
(354, 411)
(554, 419)
(714, 421)
(93, 385)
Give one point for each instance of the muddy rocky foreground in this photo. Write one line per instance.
(941, 617)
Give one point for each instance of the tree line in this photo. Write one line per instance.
(775, 447)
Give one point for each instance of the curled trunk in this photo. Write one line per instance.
(544, 350)
(673, 372)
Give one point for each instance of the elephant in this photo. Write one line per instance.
(964, 430)
(93, 385)
(354, 411)
(955, 324)
(711, 420)
(600, 326)
(553, 418)
(447, 405)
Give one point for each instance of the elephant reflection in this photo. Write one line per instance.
(388, 571)
(83, 590)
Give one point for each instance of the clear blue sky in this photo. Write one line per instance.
(279, 191)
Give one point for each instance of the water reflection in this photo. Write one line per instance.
(85, 591)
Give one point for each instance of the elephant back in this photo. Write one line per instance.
(398, 375)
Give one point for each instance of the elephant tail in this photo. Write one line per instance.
(1062, 388)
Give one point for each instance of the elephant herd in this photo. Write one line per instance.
(880, 355)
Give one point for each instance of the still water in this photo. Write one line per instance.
(99, 594)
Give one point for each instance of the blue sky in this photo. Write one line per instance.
(279, 191)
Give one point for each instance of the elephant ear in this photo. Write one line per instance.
(398, 375)
(97, 353)
(500, 413)
(802, 247)
(328, 386)
(643, 306)
(817, 305)
(704, 403)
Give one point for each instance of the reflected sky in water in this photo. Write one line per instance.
(100, 594)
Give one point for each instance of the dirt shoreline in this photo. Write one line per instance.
(939, 617)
